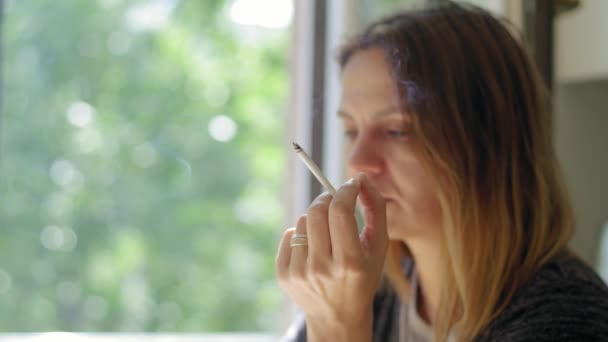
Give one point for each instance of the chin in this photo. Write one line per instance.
(394, 235)
(395, 228)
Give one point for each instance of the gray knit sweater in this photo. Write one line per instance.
(564, 301)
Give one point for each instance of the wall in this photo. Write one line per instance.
(581, 121)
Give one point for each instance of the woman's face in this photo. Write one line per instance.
(378, 142)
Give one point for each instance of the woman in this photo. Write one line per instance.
(450, 140)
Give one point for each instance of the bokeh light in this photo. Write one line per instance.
(222, 128)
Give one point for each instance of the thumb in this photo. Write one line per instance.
(374, 237)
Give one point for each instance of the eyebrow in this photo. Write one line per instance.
(384, 112)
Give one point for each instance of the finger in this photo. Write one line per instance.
(299, 254)
(284, 254)
(317, 227)
(319, 248)
(374, 236)
(343, 225)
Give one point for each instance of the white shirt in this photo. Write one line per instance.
(412, 328)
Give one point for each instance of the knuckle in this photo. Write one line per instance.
(301, 221)
(325, 197)
(318, 208)
(298, 275)
(287, 233)
(341, 209)
(349, 184)
(352, 266)
(319, 269)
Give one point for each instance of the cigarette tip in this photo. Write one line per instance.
(296, 146)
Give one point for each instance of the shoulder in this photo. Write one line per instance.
(564, 301)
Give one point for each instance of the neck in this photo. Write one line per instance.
(427, 258)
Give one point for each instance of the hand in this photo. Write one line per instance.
(335, 277)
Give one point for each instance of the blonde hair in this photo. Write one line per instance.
(483, 131)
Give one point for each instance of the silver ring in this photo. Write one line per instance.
(298, 240)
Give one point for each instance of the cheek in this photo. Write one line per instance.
(419, 201)
(346, 155)
(415, 215)
(424, 198)
(417, 204)
(428, 209)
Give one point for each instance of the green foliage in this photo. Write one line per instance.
(118, 210)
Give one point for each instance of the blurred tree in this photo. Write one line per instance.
(141, 167)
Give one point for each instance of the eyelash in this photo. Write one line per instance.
(397, 134)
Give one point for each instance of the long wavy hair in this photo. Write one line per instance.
(483, 130)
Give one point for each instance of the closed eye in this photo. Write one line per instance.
(350, 134)
(397, 133)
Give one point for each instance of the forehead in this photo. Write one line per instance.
(367, 81)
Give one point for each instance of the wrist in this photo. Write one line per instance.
(352, 330)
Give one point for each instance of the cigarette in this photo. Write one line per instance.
(312, 166)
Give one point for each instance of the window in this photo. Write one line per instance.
(141, 165)
(142, 149)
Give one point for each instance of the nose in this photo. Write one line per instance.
(365, 156)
